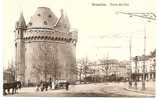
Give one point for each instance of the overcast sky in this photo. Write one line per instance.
(100, 30)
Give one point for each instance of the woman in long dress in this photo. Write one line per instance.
(53, 85)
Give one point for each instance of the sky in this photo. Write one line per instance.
(101, 31)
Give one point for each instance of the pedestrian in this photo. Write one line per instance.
(67, 86)
(53, 85)
(50, 83)
(37, 87)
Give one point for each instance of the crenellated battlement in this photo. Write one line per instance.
(47, 34)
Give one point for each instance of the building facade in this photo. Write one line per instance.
(8, 75)
(45, 47)
(150, 64)
(109, 70)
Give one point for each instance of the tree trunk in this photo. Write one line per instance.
(45, 76)
(80, 77)
(85, 78)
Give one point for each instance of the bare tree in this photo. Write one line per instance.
(73, 70)
(47, 64)
(153, 53)
(79, 70)
(80, 73)
(83, 68)
(12, 71)
(105, 67)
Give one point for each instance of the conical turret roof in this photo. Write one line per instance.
(63, 23)
(21, 22)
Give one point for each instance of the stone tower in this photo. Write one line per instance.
(45, 47)
(20, 29)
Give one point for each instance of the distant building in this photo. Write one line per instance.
(150, 64)
(107, 69)
(118, 68)
(45, 47)
(8, 75)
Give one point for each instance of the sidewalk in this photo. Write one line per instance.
(150, 88)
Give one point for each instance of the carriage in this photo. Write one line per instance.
(60, 84)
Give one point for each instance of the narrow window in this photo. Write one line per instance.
(50, 16)
(30, 23)
(45, 23)
(38, 15)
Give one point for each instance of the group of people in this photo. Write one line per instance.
(44, 85)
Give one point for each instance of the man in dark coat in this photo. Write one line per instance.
(67, 86)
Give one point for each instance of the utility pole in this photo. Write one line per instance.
(130, 69)
(107, 65)
(136, 59)
(143, 77)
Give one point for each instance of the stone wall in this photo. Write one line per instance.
(47, 54)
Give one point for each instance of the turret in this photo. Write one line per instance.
(20, 26)
(63, 23)
(20, 29)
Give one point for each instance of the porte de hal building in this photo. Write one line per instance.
(45, 47)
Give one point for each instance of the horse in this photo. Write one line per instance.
(13, 85)
(43, 85)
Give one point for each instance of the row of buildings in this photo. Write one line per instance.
(107, 70)
(114, 70)
(150, 66)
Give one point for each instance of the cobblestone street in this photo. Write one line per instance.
(88, 90)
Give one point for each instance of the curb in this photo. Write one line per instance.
(139, 91)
